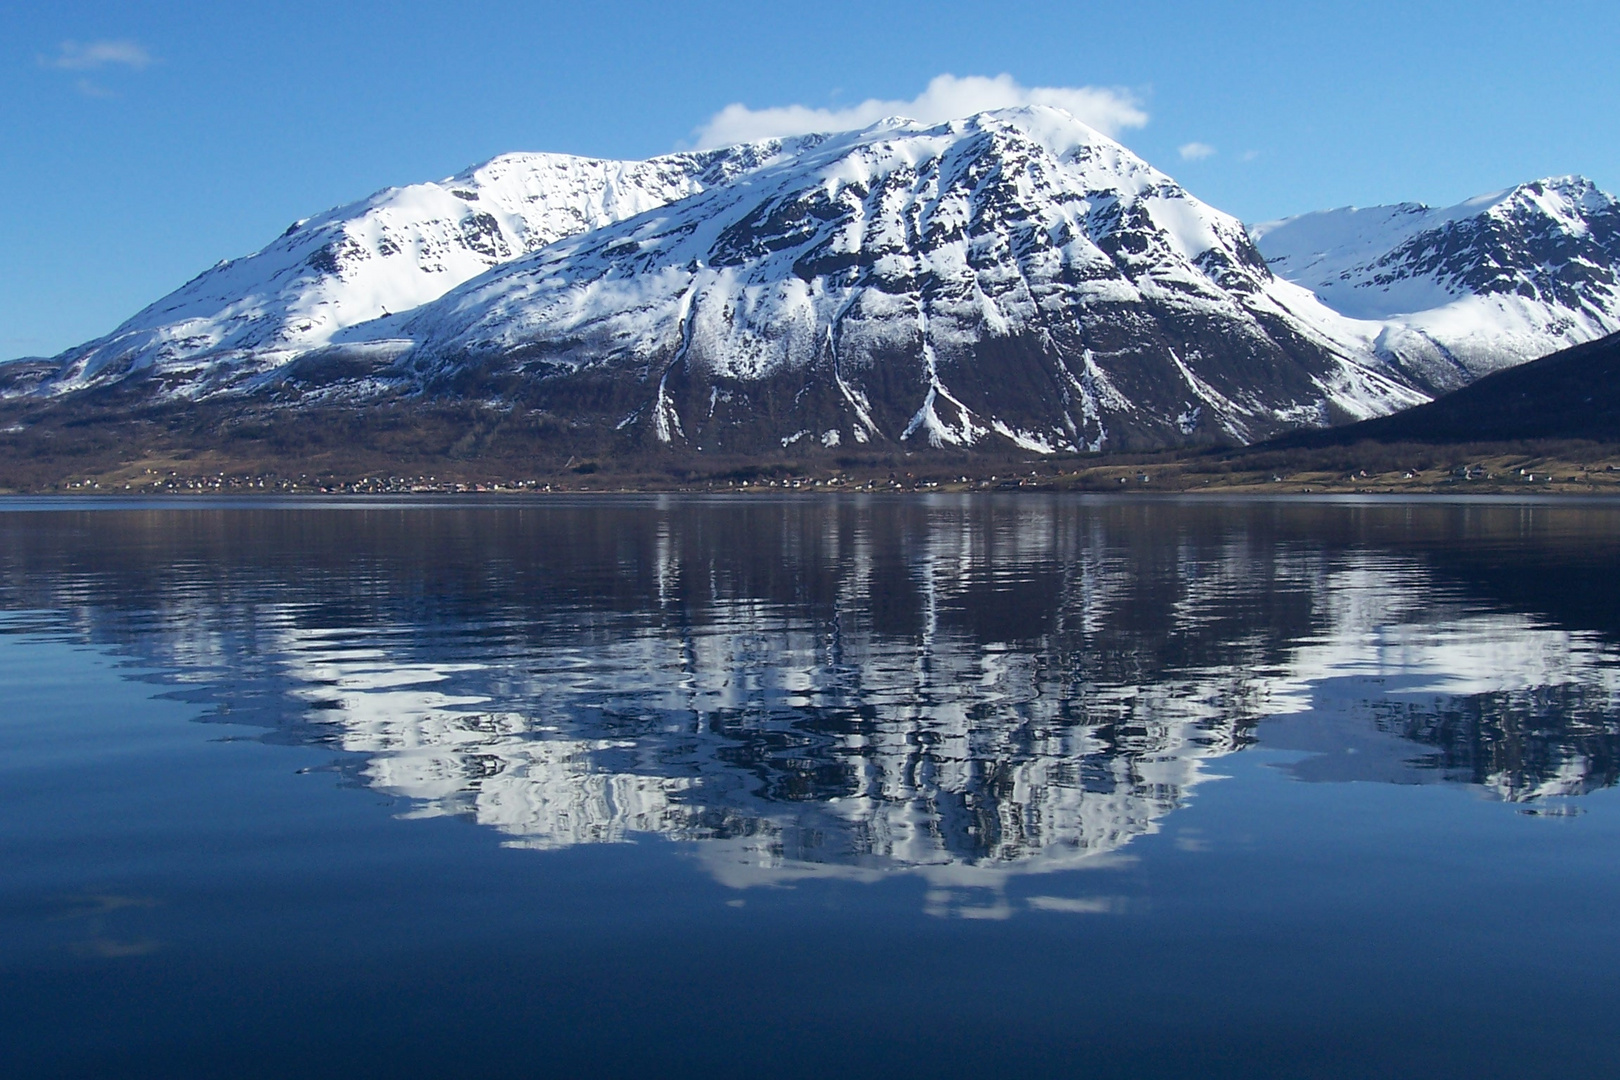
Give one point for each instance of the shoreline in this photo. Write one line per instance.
(1551, 494)
(1243, 473)
(455, 451)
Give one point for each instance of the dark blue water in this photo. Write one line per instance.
(869, 787)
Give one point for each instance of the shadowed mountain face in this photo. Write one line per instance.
(962, 689)
(1573, 394)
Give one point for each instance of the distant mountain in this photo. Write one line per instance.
(1572, 394)
(1469, 289)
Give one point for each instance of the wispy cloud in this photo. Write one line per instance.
(947, 97)
(1195, 151)
(92, 55)
(92, 89)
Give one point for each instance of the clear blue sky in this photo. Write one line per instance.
(140, 143)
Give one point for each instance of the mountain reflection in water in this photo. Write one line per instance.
(959, 688)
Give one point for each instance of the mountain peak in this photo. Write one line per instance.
(1568, 200)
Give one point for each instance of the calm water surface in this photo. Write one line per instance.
(1017, 786)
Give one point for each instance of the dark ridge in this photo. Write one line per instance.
(1571, 394)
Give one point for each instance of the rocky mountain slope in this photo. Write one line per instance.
(1462, 291)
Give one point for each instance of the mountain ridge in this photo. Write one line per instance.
(1013, 278)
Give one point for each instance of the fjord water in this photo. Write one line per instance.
(750, 786)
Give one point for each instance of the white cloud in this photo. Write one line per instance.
(1108, 109)
(93, 90)
(87, 56)
(1196, 151)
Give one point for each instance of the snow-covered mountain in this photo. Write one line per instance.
(1014, 277)
(1462, 291)
(394, 251)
